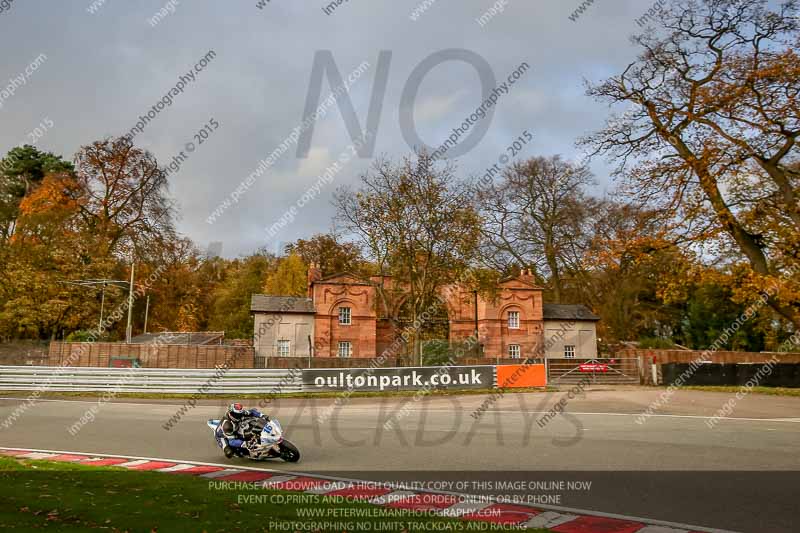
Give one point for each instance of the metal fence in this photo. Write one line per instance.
(155, 380)
(600, 371)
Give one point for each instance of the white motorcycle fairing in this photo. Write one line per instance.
(271, 443)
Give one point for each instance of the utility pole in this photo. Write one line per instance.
(102, 305)
(128, 330)
(146, 310)
(477, 346)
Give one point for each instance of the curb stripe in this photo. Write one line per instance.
(97, 461)
(549, 519)
(176, 468)
(129, 464)
(38, 455)
(358, 493)
(300, 484)
(197, 470)
(465, 509)
(222, 472)
(68, 458)
(502, 513)
(251, 477)
(275, 480)
(152, 465)
(662, 529)
(596, 524)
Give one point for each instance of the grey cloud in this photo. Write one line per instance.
(105, 69)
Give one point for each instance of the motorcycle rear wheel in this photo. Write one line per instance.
(289, 452)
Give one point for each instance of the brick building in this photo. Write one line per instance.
(342, 317)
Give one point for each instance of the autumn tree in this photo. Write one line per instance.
(46, 248)
(327, 251)
(535, 216)
(126, 204)
(417, 222)
(289, 279)
(709, 138)
(173, 274)
(633, 276)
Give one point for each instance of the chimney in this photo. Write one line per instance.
(527, 275)
(314, 275)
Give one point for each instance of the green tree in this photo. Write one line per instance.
(710, 310)
(21, 171)
(230, 302)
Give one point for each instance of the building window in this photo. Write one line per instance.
(283, 348)
(344, 316)
(513, 320)
(514, 351)
(345, 349)
(569, 351)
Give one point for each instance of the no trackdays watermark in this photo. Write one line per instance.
(419, 428)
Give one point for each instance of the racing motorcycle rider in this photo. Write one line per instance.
(231, 424)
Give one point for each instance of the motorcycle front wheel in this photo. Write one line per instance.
(289, 452)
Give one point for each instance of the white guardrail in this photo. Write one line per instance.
(157, 380)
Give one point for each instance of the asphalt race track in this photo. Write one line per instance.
(740, 475)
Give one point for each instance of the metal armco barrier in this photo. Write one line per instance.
(266, 381)
(156, 380)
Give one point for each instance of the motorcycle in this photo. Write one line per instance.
(263, 439)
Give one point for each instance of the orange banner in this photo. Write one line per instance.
(521, 376)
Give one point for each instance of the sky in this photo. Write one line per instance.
(95, 67)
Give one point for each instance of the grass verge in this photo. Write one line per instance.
(36, 495)
(771, 391)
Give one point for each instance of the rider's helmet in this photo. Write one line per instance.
(236, 411)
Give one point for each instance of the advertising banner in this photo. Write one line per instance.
(396, 379)
(521, 376)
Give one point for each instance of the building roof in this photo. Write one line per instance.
(262, 303)
(568, 312)
(180, 337)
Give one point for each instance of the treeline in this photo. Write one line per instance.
(701, 232)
